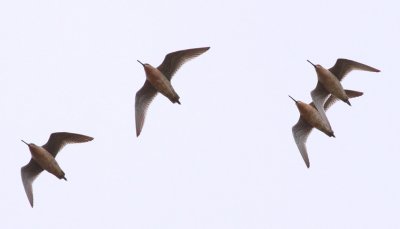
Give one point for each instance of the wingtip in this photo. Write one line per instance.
(27, 186)
(203, 49)
(307, 163)
(30, 199)
(375, 70)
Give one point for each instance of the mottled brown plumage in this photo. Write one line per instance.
(43, 158)
(159, 80)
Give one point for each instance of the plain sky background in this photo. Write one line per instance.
(226, 157)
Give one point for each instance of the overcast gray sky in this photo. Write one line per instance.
(226, 157)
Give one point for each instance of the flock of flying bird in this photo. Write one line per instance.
(313, 114)
(159, 80)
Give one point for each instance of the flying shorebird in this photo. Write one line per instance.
(329, 82)
(310, 118)
(158, 80)
(43, 158)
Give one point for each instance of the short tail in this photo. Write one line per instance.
(62, 176)
(175, 100)
(347, 101)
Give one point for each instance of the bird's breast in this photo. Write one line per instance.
(43, 158)
(160, 82)
(314, 118)
(157, 79)
(331, 83)
(40, 154)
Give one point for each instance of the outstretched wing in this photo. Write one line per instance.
(343, 66)
(174, 60)
(28, 174)
(319, 96)
(300, 131)
(58, 140)
(142, 101)
(332, 99)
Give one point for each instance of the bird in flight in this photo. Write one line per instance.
(159, 80)
(43, 158)
(310, 118)
(329, 82)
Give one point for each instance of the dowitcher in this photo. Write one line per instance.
(310, 118)
(43, 158)
(329, 82)
(159, 80)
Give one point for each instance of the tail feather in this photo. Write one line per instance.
(175, 99)
(347, 101)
